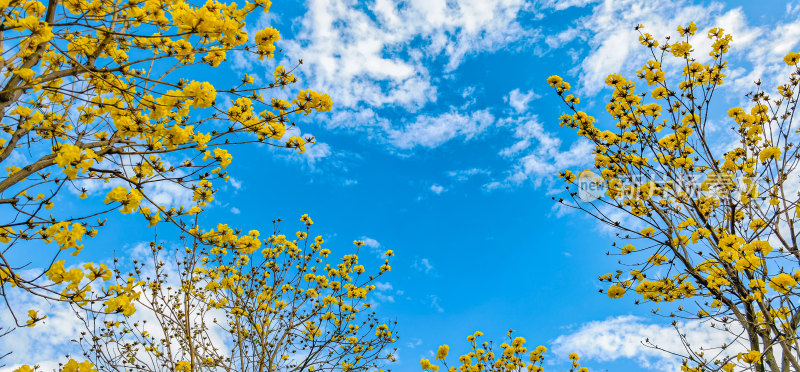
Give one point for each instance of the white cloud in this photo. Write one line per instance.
(320, 157)
(369, 242)
(235, 183)
(432, 131)
(379, 55)
(615, 43)
(564, 4)
(235, 210)
(518, 100)
(622, 337)
(463, 175)
(422, 130)
(423, 265)
(437, 189)
(537, 153)
(383, 297)
(766, 58)
(546, 162)
(614, 46)
(316, 152)
(374, 246)
(169, 193)
(44, 344)
(352, 50)
(563, 37)
(434, 301)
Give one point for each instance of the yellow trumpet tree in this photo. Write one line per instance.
(228, 301)
(709, 223)
(99, 95)
(713, 235)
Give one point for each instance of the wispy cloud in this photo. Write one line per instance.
(462, 175)
(384, 292)
(437, 189)
(362, 53)
(537, 154)
(47, 342)
(382, 55)
(613, 45)
(423, 264)
(373, 246)
(235, 183)
(432, 131)
(519, 101)
(434, 302)
(622, 337)
(369, 242)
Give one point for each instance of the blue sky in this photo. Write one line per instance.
(443, 146)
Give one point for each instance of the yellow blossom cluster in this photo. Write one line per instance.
(274, 295)
(98, 96)
(716, 227)
(514, 356)
(71, 366)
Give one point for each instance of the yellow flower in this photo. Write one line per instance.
(183, 366)
(264, 40)
(615, 291)
(442, 352)
(689, 30)
(681, 49)
(782, 283)
(130, 200)
(657, 259)
(67, 154)
(74, 366)
(771, 152)
(297, 142)
(750, 357)
(202, 95)
(6, 234)
(792, 58)
(426, 365)
(554, 80)
(660, 93)
(568, 176)
(34, 317)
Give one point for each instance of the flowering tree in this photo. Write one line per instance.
(231, 303)
(713, 231)
(95, 95)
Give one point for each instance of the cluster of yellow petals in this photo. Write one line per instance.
(514, 357)
(719, 226)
